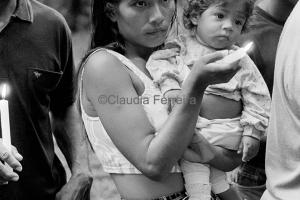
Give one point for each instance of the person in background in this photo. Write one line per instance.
(36, 63)
(178, 27)
(12, 158)
(264, 29)
(283, 142)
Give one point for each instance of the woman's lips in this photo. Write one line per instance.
(156, 31)
(223, 37)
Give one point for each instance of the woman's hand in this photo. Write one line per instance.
(210, 71)
(202, 148)
(225, 160)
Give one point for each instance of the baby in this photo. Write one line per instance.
(215, 25)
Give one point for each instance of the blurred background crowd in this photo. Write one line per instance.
(77, 14)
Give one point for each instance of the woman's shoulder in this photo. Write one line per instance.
(98, 57)
(101, 59)
(102, 66)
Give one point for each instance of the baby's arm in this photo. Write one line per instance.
(173, 96)
(168, 71)
(163, 66)
(257, 103)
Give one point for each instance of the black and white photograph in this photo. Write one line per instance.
(149, 100)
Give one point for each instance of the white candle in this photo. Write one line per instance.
(5, 126)
(237, 55)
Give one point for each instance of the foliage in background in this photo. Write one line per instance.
(76, 12)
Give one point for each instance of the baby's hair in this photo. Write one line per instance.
(197, 7)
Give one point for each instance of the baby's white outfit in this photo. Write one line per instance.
(168, 67)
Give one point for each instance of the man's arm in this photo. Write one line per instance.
(67, 125)
(71, 139)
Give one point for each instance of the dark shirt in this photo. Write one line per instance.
(36, 62)
(264, 31)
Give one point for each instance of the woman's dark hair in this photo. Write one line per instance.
(105, 32)
(197, 7)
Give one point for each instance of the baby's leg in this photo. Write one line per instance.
(196, 178)
(220, 185)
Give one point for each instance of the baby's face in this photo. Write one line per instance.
(221, 24)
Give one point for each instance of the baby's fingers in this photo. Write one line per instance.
(240, 149)
(246, 156)
(249, 153)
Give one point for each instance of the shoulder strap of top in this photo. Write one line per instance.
(81, 80)
(85, 61)
(120, 57)
(130, 65)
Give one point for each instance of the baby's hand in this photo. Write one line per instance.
(249, 146)
(173, 97)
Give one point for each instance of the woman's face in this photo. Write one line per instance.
(145, 22)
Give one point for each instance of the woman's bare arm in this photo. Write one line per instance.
(225, 160)
(221, 158)
(128, 125)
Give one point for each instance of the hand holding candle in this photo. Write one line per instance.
(237, 55)
(12, 158)
(5, 126)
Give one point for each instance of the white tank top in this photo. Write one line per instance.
(112, 160)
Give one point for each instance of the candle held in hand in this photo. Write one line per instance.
(5, 126)
(237, 55)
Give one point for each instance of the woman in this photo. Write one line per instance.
(136, 141)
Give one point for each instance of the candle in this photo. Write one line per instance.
(237, 55)
(5, 127)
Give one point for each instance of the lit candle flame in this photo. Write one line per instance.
(248, 46)
(3, 94)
